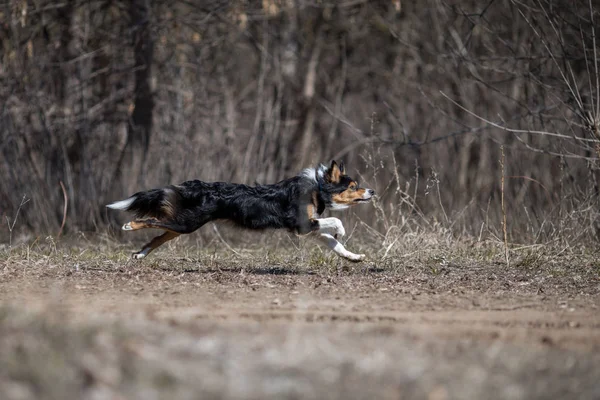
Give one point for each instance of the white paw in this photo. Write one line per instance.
(355, 257)
(339, 230)
(127, 227)
(138, 256)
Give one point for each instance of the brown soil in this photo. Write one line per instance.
(272, 332)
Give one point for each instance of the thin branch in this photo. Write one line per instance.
(597, 117)
(504, 230)
(552, 153)
(505, 128)
(66, 199)
(24, 201)
(577, 93)
(567, 82)
(216, 230)
(587, 66)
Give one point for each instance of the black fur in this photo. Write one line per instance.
(280, 205)
(148, 203)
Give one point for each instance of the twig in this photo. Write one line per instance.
(414, 200)
(62, 225)
(223, 240)
(24, 200)
(503, 206)
(437, 184)
(351, 233)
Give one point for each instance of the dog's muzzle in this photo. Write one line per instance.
(369, 193)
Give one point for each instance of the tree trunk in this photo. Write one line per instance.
(140, 123)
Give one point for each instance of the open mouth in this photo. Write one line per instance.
(362, 200)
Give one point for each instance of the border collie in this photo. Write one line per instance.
(295, 204)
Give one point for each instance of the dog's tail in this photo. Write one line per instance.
(156, 203)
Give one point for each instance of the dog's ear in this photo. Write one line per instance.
(342, 168)
(334, 173)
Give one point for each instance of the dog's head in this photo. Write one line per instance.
(338, 189)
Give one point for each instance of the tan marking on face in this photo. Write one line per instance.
(349, 196)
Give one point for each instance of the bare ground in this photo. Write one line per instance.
(182, 327)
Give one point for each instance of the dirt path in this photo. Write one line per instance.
(496, 340)
(567, 320)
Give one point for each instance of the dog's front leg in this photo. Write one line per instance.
(332, 226)
(339, 248)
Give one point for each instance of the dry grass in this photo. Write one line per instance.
(392, 253)
(79, 319)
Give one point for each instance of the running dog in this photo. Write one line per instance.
(295, 204)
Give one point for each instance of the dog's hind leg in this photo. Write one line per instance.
(154, 243)
(140, 224)
(156, 224)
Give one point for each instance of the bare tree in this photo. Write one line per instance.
(417, 99)
(139, 131)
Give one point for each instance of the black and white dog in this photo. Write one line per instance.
(295, 204)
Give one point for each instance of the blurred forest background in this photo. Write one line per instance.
(110, 97)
